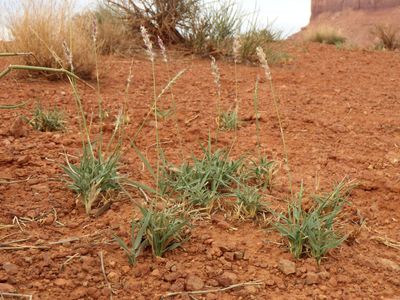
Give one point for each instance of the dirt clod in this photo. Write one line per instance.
(227, 279)
(287, 267)
(194, 283)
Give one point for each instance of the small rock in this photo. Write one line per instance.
(18, 128)
(78, 293)
(312, 278)
(251, 290)
(239, 255)
(156, 273)
(194, 283)
(125, 269)
(178, 285)
(133, 284)
(113, 277)
(10, 268)
(170, 277)
(7, 288)
(212, 282)
(287, 267)
(60, 282)
(229, 256)
(227, 279)
(324, 275)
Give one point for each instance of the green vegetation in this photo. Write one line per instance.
(325, 35)
(312, 231)
(47, 120)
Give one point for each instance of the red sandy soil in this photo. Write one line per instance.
(341, 118)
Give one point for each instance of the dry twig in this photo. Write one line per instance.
(231, 287)
(103, 270)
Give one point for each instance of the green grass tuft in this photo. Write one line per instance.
(312, 232)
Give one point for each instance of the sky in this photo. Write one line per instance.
(286, 15)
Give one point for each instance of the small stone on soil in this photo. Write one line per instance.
(287, 267)
(194, 283)
(227, 279)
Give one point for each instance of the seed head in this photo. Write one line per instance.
(215, 72)
(163, 49)
(147, 43)
(264, 63)
(236, 49)
(94, 30)
(68, 55)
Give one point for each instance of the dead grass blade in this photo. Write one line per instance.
(202, 292)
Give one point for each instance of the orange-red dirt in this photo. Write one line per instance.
(341, 113)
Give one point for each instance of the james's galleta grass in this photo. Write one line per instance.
(339, 116)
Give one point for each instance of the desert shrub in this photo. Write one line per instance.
(325, 35)
(47, 120)
(388, 37)
(254, 37)
(312, 231)
(166, 19)
(205, 27)
(41, 27)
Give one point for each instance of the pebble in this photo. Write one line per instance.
(287, 267)
(312, 278)
(194, 283)
(227, 279)
(10, 268)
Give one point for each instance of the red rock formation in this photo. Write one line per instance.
(354, 19)
(323, 6)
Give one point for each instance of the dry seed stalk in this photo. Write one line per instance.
(264, 63)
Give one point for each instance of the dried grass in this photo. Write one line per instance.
(41, 27)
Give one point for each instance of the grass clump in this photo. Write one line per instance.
(138, 240)
(47, 120)
(204, 180)
(248, 202)
(162, 231)
(261, 172)
(229, 120)
(325, 35)
(312, 232)
(165, 231)
(94, 175)
(388, 37)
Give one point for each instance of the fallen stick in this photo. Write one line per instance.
(231, 287)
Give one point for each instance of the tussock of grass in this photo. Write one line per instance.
(325, 35)
(229, 120)
(47, 120)
(94, 175)
(388, 37)
(205, 180)
(162, 231)
(41, 27)
(312, 232)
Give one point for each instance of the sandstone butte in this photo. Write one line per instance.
(355, 19)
